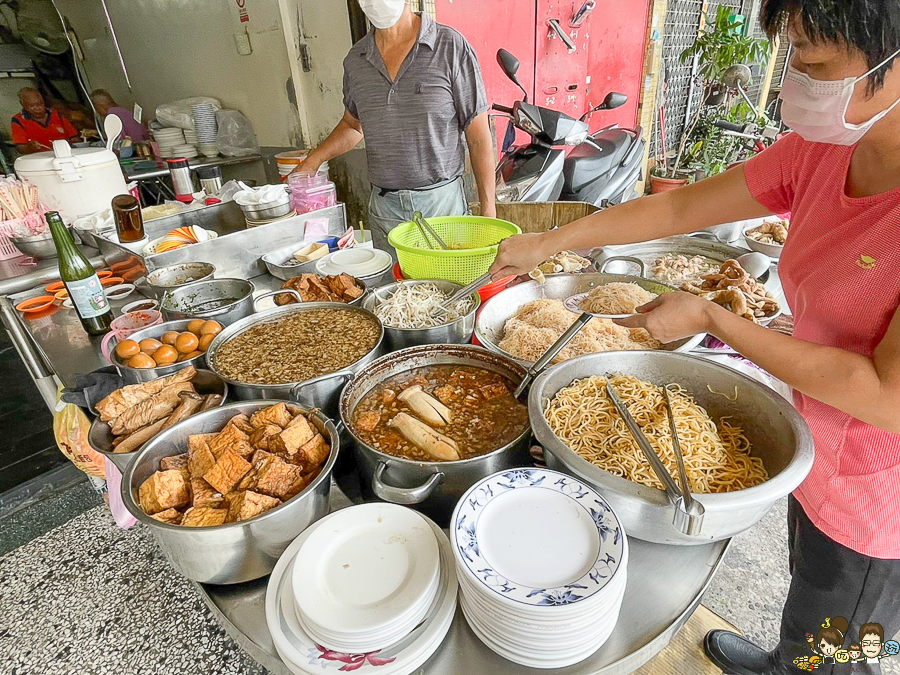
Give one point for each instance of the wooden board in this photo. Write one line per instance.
(685, 653)
(540, 216)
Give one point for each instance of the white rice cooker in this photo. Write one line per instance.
(74, 181)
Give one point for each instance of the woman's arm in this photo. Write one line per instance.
(720, 199)
(866, 388)
(345, 136)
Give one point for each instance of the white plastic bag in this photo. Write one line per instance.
(178, 113)
(236, 137)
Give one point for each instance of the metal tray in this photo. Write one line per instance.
(277, 262)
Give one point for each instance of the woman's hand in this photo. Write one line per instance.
(520, 254)
(672, 316)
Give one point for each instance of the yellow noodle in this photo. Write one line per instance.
(717, 458)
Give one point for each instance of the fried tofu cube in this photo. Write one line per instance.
(258, 456)
(230, 438)
(276, 477)
(495, 390)
(197, 441)
(228, 471)
(277, 414)
(200, 459)
(204, 516)
(249, 481)
(164, 490)
(248, 504)
(261, 435)
(171, 516)
(445, 394)
(240, 422)
(314, 452)
(174, 462)
(302, 483)
(293, 437)
(368, 420)
(204, 494)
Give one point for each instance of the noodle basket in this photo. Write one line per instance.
(479, 236)
(498, 310)
(777, 433)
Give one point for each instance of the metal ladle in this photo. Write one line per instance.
(688, 517)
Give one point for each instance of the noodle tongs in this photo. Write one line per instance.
(688, 517)
(425, 230)
(552, 351)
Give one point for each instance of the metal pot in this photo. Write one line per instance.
(455, 332)
(168, 278)
(100, 436)
(225, 300)
(776, 431)
(235, 552)
(431, 487)
(498, 310)
(136, 375)
(320, 392)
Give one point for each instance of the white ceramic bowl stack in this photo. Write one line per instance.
(206, 128)
(372, 585)
(542, 565)
(169, 140)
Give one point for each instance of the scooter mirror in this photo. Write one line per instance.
(509, 64)
(613, 100)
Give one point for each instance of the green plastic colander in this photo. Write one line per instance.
(478, 235)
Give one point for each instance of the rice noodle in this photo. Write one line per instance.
(415, 305)
(616, 298)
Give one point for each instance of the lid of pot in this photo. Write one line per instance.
(63, 153)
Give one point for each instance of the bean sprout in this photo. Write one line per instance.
(416, 306)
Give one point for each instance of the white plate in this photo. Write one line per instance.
(364, 568)
(537, 537)
(357, 262)
(304, 657)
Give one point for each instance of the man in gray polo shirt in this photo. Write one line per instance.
(413, 88)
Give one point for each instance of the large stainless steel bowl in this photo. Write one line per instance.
(222, 300)
(776, 431)
(455, 332)
(234, 552)
(431, 487)
(40, 246)
(170, 277)
(136, 375)
(498, 310)
(101, 438)
(321, 392)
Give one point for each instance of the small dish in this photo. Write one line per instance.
(357, 262)
(36, 304)
(111, 281)
(55, 287)
(143, 305)
(104, 274)
(67, 303)
(119, 291)
(61, 296)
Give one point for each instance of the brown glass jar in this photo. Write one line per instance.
(129, 222)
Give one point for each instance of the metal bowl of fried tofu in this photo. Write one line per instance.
(226, 491)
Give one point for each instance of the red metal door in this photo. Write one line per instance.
(560, 75)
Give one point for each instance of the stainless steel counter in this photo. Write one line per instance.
(665, 585)
(133, 173)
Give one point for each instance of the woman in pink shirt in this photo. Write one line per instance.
(839, 176)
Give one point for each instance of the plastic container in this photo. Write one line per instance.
(8, 251)
(314, 197)
(477, 237)
(288, 161)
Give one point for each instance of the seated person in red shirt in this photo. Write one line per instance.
(36, 127)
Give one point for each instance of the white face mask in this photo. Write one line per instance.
(383, 13)
(816, 109)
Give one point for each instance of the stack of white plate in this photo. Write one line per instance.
(186, 151)
(168, 139)
(372, 585)
(368, 264)
(542, 564)
(204, 123)
(190, 137)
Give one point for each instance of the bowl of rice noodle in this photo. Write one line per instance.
(744, 445)
(410, 314)
(524, 320)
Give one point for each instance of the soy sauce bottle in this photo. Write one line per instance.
(80, 280)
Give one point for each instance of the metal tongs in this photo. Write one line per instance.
(688, 511)
(552, 351)
(425, 230)
(466, 290)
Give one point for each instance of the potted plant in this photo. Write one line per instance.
(718, 47)
(661, 181)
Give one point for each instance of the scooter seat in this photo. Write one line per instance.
(586, 162)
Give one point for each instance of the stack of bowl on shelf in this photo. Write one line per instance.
(172, 143)
(542, 564)
(375, 580)
(206, 128)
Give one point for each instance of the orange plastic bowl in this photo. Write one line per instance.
(37, 304)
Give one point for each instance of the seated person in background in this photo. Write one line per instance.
(36, 127)
(105, 104)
